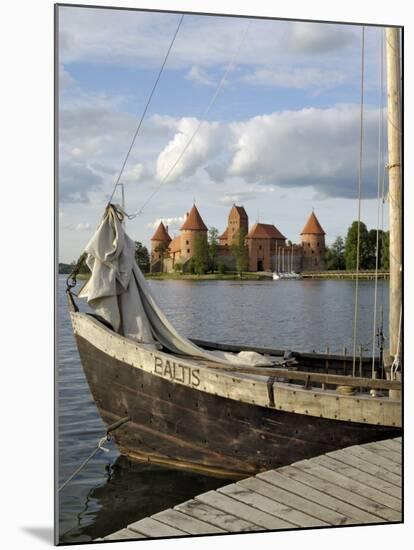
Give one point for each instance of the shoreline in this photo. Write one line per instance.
(253, 276)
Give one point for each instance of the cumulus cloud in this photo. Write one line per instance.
(316, 38)
(205, 145)
(141, 38)
(76, 181)
(170, 222)
(310, 147)
(77, 227)
(199, 75)
(134, 174)
(296, 78)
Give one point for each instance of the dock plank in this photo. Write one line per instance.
(282, 511)
(334, 493)
(359, 475)
(354, 515)
(313, 509)
(124, 534)
(189, 524)
(364, 504)
(383, 500)
(153, 528)
(363, 465)
(374, 458)
(389, 454)
(243, 511)
(228, 522)
(352, 486)
(391, 444)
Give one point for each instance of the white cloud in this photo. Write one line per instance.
(77, 227)
(199, 75)
(205, 145)
(316, 38)
(134, 174)
(141, 38)
(296, 78)
(170, 222)
(310, 147)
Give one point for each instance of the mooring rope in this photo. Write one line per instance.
(99, 447)
(380, 168)
(145, 109)
(361, 140)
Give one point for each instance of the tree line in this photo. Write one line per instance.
(343, 252)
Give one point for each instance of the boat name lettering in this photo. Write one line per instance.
(177, 371)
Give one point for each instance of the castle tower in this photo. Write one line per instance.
(237, 220)
(159, 243)
(313, 245)
(192, 226)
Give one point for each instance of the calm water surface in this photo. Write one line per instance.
(112, 492)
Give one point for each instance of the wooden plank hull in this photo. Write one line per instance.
(182, 426)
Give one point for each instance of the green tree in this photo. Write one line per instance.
(240, 251)
(385, 250)
(200, 254)
(382, 240)
(351, 245)
(335, 255)
(212, 247)
(142, 257)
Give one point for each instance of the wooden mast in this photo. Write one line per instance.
(395, 186)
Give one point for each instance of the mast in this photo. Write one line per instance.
(395, 187)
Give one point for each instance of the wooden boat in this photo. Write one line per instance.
(234, 421)
(194, 414)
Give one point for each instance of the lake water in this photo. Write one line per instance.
(112, 492)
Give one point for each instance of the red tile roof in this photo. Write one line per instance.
(312, 226)
(265, 231)
(223, 236)
(194, 221)
(175, 245)
(161, 234)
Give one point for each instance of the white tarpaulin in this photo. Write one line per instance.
(118, 292)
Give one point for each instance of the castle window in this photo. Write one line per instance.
(308, 244)
(260, 247)
(186, 242)
(313, 252)
(188, 251)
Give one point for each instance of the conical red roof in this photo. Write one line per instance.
(265, 231)
(312, 226)
(161, 234)
(194, 222)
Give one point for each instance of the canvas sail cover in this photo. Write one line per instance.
(118, 292)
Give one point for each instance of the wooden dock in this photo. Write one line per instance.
(358, 485)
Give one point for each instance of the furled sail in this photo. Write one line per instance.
(118, 292)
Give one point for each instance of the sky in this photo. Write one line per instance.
(279, 135)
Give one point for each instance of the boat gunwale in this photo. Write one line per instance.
(315, 401)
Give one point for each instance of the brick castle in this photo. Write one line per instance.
(267, 247)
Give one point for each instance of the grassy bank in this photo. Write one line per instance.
(207, 277)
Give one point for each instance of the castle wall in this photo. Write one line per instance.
(259, 254)
(313, 252)
(188, 238)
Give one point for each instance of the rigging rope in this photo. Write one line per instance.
(204, 115)
(145, 110)
(361, 139)
(380, 167)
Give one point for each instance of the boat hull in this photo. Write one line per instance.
(185, 427)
